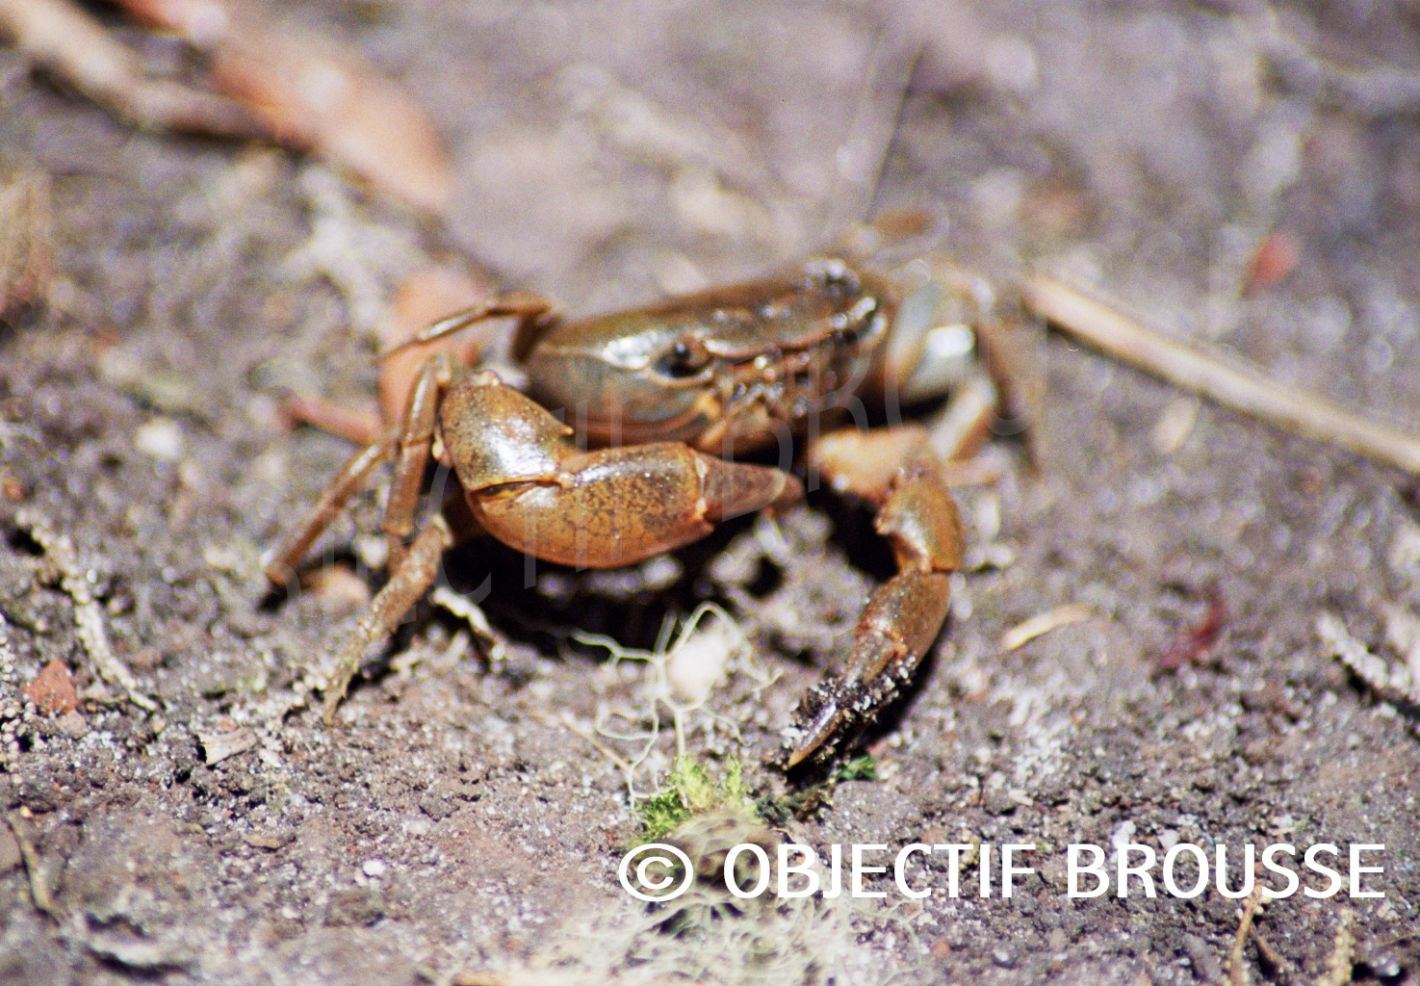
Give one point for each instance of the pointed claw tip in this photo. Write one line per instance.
(811, 738)
(797, 756)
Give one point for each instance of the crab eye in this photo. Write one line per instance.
(685, 358)
(831, 275)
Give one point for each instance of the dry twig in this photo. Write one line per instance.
(1237, 970)
(1392, 683)
(1229, 382)
(40, 893)
(88, 616)
(271, 84)
(26, 243)
(1042, 623)
(73, 46)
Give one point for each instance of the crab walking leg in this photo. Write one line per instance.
(532, 312)
(353, 424)
(281, 565)
(964, 425)
(896, 470)
(412, 458)
(401, 592)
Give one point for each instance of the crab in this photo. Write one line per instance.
(626, 443)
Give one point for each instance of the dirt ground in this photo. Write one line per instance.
(465, 818)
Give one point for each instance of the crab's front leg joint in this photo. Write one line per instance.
(917, 513)
(416, 434)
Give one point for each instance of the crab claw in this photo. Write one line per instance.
(895, 632)
(532, 488)
(917, 514)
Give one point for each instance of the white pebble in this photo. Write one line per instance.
(160, 438)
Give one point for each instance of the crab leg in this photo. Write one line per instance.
(281, 564)
(896, 470)
(409, 440)
(532, 312)
(415, 437)
(408, 583)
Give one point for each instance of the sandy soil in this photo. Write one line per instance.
(458, 821)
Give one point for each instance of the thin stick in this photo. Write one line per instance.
(88, 614)
(1237, 970)
(34, 869)
(74, 46)
(1231, 383)
(1042, 623)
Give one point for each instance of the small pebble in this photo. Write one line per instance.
(160, 438)
(340, 590)
(53, 690)
(73, 725)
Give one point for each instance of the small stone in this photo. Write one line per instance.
(160, 438)
(374, 868)
(217, 747)
(340, 590)
(53, 690)
(270, 841)
(241, 781)
(145, 659)
(36, 796)
(434, 806)
(355, 907)
(997, 801)
(1259, 751)
(1206, 967)
(73, 725)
